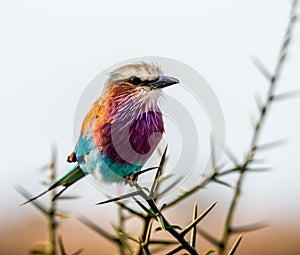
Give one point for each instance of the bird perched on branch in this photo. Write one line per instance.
(122, 128)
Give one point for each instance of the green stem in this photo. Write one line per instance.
(51, 215)
(168, 227)
(144, 236)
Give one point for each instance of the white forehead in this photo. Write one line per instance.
(142, 70)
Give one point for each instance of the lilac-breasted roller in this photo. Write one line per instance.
(122, 128)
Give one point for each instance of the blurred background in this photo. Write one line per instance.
(50, 51)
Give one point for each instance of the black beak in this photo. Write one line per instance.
(162, 82)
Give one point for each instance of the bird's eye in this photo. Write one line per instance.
(135, 80)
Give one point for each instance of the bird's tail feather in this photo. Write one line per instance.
(72, 176)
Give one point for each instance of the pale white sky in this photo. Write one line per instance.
(50, 51)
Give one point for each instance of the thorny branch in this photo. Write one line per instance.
(264, 109)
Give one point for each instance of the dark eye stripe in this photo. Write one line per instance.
(134, 80)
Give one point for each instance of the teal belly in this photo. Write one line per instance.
(100, 166)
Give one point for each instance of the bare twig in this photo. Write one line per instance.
(258, 127)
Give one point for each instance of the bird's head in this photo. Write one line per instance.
(139, 83)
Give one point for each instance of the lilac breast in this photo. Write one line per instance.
(132, 140)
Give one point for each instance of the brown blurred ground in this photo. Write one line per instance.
(17, 240)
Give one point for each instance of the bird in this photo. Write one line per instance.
(122, 128)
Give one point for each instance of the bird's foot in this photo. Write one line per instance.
(131, 179)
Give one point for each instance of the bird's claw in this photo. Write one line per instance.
(131, 179)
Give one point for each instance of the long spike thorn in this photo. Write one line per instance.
(249, 227)
(27, 195)
(235, 245)
(130, 210)
(61, 246)
(259, 169)
(194, 230)
(208, 236)
(126, 236)
(198, 219)
(228, 171)
(158, 173)
(146, 170)
(34, 198)
(272, 144)
(165, 177)
(222, 183)
(135, 193)
(174, 251)
(161, 221)
(264, 71)
(286, 95)
(209, 252)
(67, 197)
(231, 156)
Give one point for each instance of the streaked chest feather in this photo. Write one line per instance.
(129, 129)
